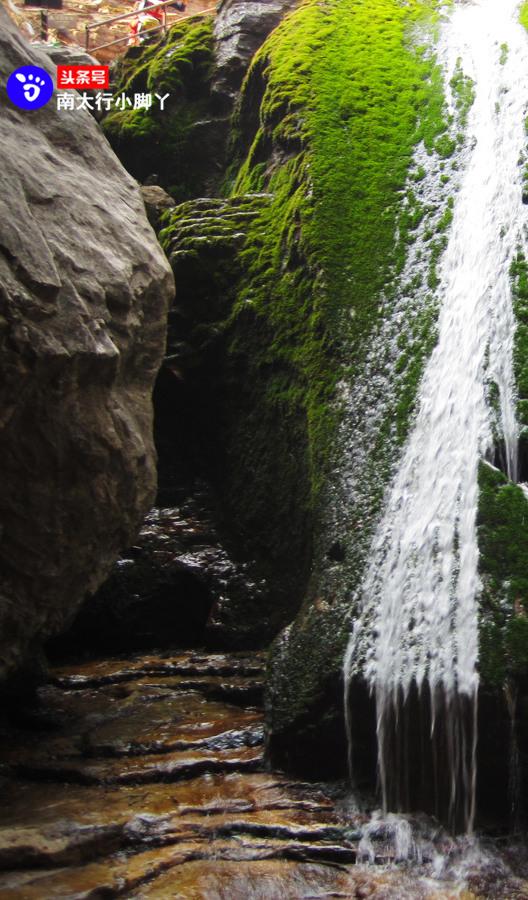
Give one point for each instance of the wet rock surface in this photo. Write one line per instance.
(151, 763)
(210, 391)
(147, 779)
(176, 586)
(240, 29)
(82, 329)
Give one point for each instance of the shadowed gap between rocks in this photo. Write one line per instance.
(172, 613)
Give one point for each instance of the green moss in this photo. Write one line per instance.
(502, 523)
(503, 518)
(164, 141)
(254, 441)
(445, 146)
(208, 234)
(347, 96)
(519, 276)
(447, 217)
(504, 50)
(437, 248)
(332, 109)
(463, 88)
(523, 15)
(419, 175)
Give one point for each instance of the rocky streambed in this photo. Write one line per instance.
(146, 777)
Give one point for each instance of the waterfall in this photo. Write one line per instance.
(415, 641)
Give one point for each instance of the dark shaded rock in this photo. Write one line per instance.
(177, 586)
(18, 691)
(170, 142)
(337, 552)
(156, 201)
(82, 323)
(201, 64)
(220, 379)
(204, 240)
(311, 711)
(240, 29)
(245, 347)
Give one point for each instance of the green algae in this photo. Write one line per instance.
(332, 109)
(502, 522)
(256, 444)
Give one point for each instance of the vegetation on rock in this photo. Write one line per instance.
(166, 142)
(519, 274)
(285, 285)
(345, 101)
(331, 110)
(523, 15)
(348, 92)
(502, 520)
(502, 523)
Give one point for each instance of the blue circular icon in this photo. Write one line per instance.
(29, 87)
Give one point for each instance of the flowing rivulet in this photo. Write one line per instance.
(415, 641)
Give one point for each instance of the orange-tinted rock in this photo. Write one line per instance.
(177, 803)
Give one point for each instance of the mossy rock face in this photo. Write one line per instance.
(502, 527)
(306, 311)
(345, 92)
(348, 129)
(252, 452)
(503, 643)
(179, 143)
(523, 15)
(314, 317)
(519, 277)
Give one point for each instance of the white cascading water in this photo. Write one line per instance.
(417, 631)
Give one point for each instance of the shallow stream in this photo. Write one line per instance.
(145, 777)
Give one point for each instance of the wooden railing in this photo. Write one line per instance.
(134, 14)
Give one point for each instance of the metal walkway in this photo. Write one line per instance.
(163, 27)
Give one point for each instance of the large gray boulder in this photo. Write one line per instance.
(84, 289)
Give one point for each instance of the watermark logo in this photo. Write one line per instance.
(103, 101)
(29, 87)
(92, 77)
